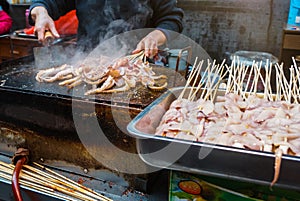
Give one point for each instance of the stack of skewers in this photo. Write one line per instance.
(51, 183)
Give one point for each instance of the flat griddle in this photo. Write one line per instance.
(43, 114)
(31, 103)
(19, 75)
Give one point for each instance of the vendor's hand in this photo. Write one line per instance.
(43, 23)
(150, 43)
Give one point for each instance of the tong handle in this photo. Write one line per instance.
(49, 38)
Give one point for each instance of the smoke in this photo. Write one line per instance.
(117, 17)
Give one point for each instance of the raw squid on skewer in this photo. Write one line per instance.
(241, 118)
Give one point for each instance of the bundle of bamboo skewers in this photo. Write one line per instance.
(205, 80)
(244, 80)
(50, 183)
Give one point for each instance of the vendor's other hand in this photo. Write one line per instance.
(150, 43)
(43, 23)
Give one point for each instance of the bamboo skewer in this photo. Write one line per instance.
(229, 85)
(72, 183)
(220, 72)
(35, 179)
(198, 70)
(193, 71)
(51, 182)
(249, 77)
(266, 81)
(56, 185)
(39, 188)
(213, 87)
(270, 92)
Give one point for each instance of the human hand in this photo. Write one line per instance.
(43, 23)
(150, 43)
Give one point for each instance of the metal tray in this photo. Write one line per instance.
(203, 158)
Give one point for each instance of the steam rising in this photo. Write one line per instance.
(117, 35)
(121, 17)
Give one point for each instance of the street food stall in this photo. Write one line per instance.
(74, 128)
(56, 124)
(110, 141)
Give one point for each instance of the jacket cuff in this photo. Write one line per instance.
(30, 20)
(170, 35)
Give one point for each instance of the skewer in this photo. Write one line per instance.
(202, 80)
(229, 84)
(207, 80)
(197, 89)
(193, 85)
(240, 78)
(193, 71)
(243, 76)
(278, 91)
(293, 85)
(220, 79)
(7, 172)
(40, 188)
(269, 81)
(283, 82)
(249, 78)
(235, 85)
(297, 85)
(234, 76)
(31, 176)
(213, 87)
(54, 182)
(290, 88)
(254, 67)
(134, 57)
(257, 73)
(266, 81)
(72, 182)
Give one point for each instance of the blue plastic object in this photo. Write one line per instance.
(294, 13)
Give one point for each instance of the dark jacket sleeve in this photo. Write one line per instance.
(55, 8)
(167, 16)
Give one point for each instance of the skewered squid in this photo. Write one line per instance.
(104, 76)
(242, 119)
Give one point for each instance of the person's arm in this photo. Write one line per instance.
(42, 14)
(167, 20)
(55, 8)
(167, 16)
(5, 22)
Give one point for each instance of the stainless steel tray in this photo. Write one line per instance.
(203, 158)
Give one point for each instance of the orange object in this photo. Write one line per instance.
(65, 25)
(15, 179)
(191, 187)
(29, 30)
